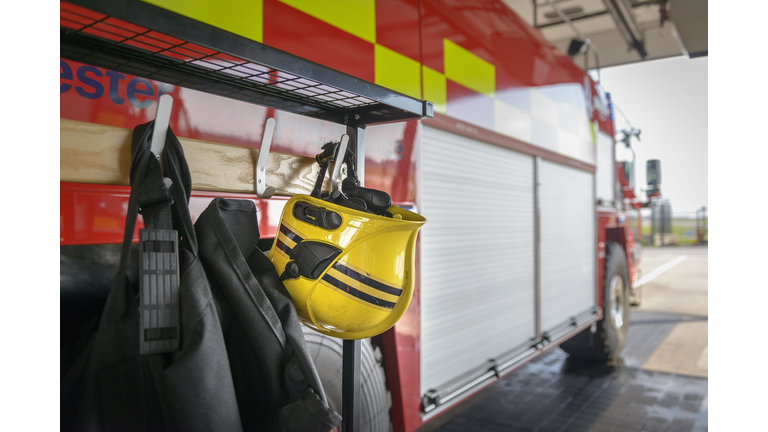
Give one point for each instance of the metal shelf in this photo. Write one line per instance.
(137, 38)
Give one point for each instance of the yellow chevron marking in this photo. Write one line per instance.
(468, 69)
(246, 21)
(435, 89)
(357, 17)
(397, 72)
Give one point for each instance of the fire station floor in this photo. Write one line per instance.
(659, 384)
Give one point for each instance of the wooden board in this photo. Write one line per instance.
(94, 153)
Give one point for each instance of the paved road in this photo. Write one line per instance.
(660, 384)
(681, 289)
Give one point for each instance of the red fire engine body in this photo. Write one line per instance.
(515, 174)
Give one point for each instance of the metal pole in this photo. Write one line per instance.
(537, 246)
(667, 220)
(357, 145)
(653, 223)
(350, 386)
(663, 222)
(350, 369)
(699, 228)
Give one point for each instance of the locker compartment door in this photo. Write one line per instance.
(477, 255)
(568, 244)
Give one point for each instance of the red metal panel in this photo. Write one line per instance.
(520, 54)
(602, 116)
(91, 214)
(466, 26)
(403, 180)
(402, 359)
(606, 222)
(469, 27)
(470, 106)
(511, 90)
(629, 243)
(95, 214)
(433, 30)
(97, 95)
(397, 26)
(459, 127)
(621, 233)
(524, 60)
(390, 163)
(295, 32)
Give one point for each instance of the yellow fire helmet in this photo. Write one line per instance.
(350, 272)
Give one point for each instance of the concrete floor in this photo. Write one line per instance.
(660, 383)
(680, 290)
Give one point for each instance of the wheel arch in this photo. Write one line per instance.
(620, 235)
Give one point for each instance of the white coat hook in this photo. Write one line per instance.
(162, 120)
(160, 130)
(262, 190)
(339, 161)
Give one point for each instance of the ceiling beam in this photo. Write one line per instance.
(600, 13)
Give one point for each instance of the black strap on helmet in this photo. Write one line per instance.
(310, 259)
(351, 195)
(323, 160)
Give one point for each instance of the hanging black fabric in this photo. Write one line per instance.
(111, 386)
(276, 383)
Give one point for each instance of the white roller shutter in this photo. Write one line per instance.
(567, 204)
(477, 254)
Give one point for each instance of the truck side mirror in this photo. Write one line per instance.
(653, 172)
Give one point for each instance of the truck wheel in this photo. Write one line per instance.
(375, 400)
(610, 335)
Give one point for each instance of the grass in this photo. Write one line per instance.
(683, 232)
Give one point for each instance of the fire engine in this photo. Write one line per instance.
(528, 244)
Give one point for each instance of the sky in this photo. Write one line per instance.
(667, 100)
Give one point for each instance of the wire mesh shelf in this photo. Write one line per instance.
(106, 41)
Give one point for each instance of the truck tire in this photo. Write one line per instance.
(375, 399)
(610, 333)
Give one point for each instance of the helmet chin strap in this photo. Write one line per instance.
(341, 155)
(331, 152)
(350, 194)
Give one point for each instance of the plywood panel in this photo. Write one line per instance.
(94, 153)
